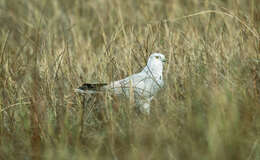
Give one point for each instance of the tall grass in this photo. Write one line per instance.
(208, 109)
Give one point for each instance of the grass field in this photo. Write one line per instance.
(209, 108)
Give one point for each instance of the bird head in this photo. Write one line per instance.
(155, 63)
(156, 58)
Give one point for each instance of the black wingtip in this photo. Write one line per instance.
(92, 86)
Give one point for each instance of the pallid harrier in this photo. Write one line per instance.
(144, 85)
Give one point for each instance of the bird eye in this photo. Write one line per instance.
(157, 57)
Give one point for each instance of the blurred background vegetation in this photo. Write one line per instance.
(208, 109)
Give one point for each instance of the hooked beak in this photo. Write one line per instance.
(164, 60)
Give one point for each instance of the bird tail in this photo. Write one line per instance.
(91, 88)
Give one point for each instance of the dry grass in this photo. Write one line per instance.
(209, 108)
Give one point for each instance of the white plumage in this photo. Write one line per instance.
(144, 84)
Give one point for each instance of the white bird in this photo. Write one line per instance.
(144, 85)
